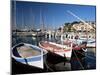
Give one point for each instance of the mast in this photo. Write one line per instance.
(77, 17)
(42, 21)
(22, 19)
(32, 19)
(62, 35)
(15, 16)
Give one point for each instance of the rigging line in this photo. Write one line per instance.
(78, 60)
(48, 66)
(86, 55)
(77, 17)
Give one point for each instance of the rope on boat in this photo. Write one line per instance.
(48, 66)
(78, 60)
(85, 50)
(86, 55)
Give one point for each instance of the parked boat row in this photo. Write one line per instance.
(78, 39)
(33, 55)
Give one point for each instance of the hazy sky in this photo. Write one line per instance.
(54, 15)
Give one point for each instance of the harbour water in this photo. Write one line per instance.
(53, 62)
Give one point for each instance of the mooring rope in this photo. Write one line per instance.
(78, 60)
(48, 66)
(87, 56)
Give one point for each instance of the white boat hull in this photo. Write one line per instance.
(93, 45)
(36, 61)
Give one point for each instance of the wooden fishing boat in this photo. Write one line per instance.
(29, 54)
(59, 49)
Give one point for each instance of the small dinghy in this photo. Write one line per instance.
(29, 54)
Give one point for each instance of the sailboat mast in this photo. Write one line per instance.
(32, 19)
(15, 16)
(22, 19)
(62, 35)
(42, 21)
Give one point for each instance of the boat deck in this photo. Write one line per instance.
(54, 47)
(26, 51)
